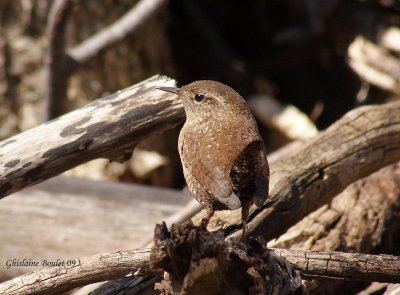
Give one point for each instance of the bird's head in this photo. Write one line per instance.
(208, 98)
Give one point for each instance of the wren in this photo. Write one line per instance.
(221, 150)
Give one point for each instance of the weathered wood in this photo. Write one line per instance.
(109, 127)
(363, 141)
(345, 266)
(86, 270)
(66, 218)
(359, 219)
(106, 266)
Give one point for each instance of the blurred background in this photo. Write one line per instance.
(300, 64)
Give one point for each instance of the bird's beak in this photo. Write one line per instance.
(174, 90)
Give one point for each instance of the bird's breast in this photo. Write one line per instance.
(214, 142)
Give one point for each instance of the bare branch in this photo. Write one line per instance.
(115, 33)
(86, 270)
(344, 266)
(107, 266)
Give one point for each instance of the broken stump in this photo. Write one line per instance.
(196, 261)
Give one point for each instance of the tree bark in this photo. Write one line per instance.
(109, 127)
(79, 272)
(362, 218)
(345, 266)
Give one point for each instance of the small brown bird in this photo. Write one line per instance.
(221, 150)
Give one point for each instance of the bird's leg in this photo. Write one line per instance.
(245, 215)
(206, 219)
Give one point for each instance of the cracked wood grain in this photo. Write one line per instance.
(362, 218)
(107, 266)
(345, 266)
(362, 142)
(109, 127)
(96, 268)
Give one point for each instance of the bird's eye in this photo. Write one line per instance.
(199, 97)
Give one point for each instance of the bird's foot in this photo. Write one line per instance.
(204, 223)
(206, 219)
(244, 233)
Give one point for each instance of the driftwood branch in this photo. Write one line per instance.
(106, 266)
(109, 127)
(344, 266)
(81, 272)
(362, 142)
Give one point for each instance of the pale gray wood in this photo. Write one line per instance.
(109, 127)
(66, 218)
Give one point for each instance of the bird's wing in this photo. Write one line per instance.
(250, 173)
(197, 165)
